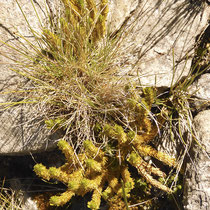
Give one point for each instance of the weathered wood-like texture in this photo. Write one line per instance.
(197, 177)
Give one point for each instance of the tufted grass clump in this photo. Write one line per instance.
(70, 66)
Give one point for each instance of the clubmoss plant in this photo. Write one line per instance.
(99, 168)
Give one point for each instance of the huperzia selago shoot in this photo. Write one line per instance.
(81, 25)
(95, 170)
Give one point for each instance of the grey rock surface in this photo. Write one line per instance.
(157, 33)
(200, 90)
(20, 129)
(22, 134)
(201, 87)
(197, 177)
(120, 10)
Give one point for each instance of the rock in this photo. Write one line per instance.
(29, 204)
(119, 11)
(20, 130)
(154, 31)
(197, 176)
(22, 134)
(201, 87)
(200, 90)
